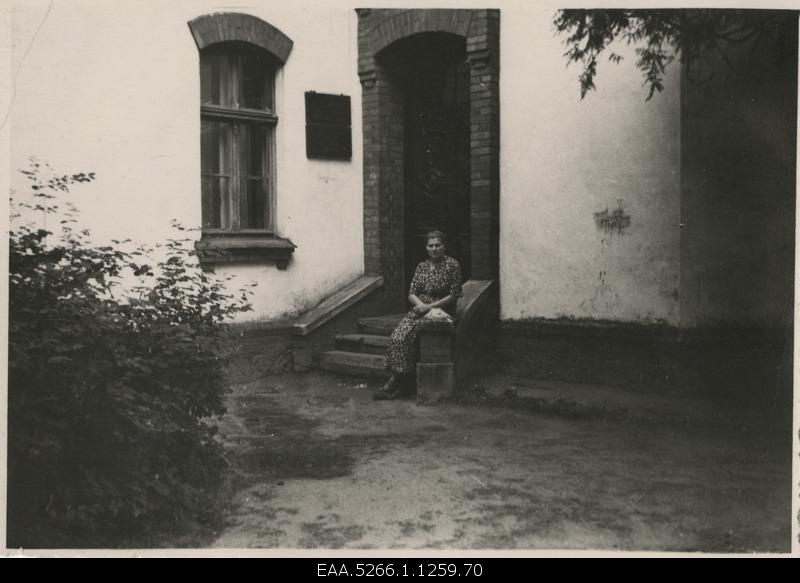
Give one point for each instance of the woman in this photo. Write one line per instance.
(436, 284)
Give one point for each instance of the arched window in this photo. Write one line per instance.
(238, 134)
(239, 57)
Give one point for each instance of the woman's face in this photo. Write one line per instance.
(435, 248)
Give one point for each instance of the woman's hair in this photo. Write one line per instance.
(436, 235)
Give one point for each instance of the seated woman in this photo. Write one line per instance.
(436, 284)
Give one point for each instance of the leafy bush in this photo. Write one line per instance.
(109, 387)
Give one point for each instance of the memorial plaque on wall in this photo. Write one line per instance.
(328, 132)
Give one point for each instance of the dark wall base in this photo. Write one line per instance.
(261, 350)
(741, 364)
(746, 363)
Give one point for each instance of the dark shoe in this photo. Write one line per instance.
(391, 390)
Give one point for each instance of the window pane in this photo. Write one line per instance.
(255, 205)
(215, 151)
(215, 147)
(254, 150)
(255, 169)
(216, 202)
(256, 92)
(216, 79)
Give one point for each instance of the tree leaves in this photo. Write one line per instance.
(658, 37)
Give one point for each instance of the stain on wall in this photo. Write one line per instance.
(614, 221)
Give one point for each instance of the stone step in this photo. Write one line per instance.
(364, 343)
(379, 325)
(353, 363)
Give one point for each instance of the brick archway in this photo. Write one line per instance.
(406, 23)
(383, 136)
(210, 29)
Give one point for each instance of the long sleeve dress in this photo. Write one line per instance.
(431, 282)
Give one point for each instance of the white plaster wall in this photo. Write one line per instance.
(562, 160)
(112, 86)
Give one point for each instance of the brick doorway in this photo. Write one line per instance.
(406, 60)
(432, 71)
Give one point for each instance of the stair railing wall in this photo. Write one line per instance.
(450, 351)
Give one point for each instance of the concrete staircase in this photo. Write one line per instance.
(361, 354)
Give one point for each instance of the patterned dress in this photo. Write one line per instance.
(431, 282)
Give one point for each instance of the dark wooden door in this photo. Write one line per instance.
(437, 151)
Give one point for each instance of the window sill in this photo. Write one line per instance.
(213, 250)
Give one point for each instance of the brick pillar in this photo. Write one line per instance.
(371, 103)
(483, 55)
(383, 166)
(383, 179)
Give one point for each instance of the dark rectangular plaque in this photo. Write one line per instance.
(328, 126)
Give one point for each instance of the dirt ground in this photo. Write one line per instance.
(520, 464)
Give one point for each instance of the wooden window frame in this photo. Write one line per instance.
(233, 243)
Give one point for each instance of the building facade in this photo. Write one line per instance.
(603, 221)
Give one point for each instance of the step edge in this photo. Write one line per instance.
(335, 304)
